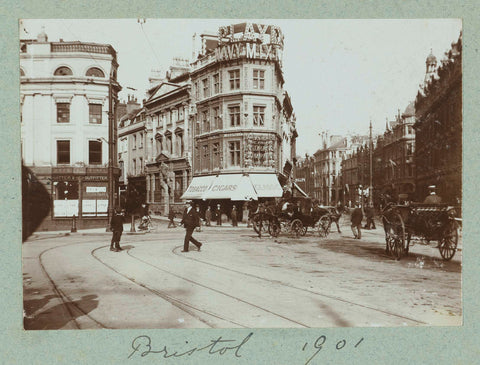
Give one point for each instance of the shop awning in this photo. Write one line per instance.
(198, 187)
(230, 186)
(300, 190)
(266, 185)
(245, 190)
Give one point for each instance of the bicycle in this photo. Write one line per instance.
(147, 224)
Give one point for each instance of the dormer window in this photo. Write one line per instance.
(63, 71)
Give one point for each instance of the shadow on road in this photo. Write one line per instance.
(39, 316)
(377, 253)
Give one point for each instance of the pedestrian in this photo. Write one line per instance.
(144, 216)
(116, 226)
(218, 214)
(432, 197)
(208, 217)
(356, 220)
(171, 217)
(199, 228)
(234, 216)
(335, 216)
(190, 221)
(370, 213)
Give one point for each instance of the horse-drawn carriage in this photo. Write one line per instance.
(404, 224)
(294, 220)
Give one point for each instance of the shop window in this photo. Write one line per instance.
(234, 112)
(94, 152)
(65, 198)
(234, 151)
(234, 76)
(95, 113)
(259, 115)
(259, 79)
(63, 152)
(95, 72)
(63, 112)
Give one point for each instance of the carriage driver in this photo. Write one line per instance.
(432, 197)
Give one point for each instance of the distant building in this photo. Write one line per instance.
(66, 123)
(438, 137)
(393, 158)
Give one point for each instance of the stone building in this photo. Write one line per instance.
(243, 125)
(438, 130)
(68, 95)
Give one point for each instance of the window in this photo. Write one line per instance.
(95, 72)
(169, 144)
(216, 154)
(134, 142)
(258, 79)
(140, 141)
(196, 90)
(216, 118)
(95, 113)
(216, 83)
(134, 167)
(234, 150)
(63, 71)
(205, 88)
(94, 152)
(234, 112)
(63, 152)
(258, 115)
(205, 157)
(63, 112)
(234, 79)
(205, 122)
(140, 160)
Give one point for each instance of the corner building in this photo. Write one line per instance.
(243, 124)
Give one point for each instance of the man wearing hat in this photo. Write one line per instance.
(432, 198)
(190, 221)
(218, 214)
(116, 226)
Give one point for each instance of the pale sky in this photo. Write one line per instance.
(340, 74)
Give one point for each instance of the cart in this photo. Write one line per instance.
(404, 224)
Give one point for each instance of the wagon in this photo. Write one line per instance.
(421, 222)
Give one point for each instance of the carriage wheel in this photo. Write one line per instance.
(395, 236)
(448, 244)
(265, 226)
(323, 226)
(296, 227)
(274, 228)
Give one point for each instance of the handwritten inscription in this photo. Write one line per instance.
(322, 340)
(142, 345)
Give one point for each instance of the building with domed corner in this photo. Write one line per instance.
(68, 95)
(243, 124)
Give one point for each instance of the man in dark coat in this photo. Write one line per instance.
(356, 219)
(116, 226)
(171, 217)
(218, 214)
(370, 213)
(190, 221)
(432, 197)
(234, 216)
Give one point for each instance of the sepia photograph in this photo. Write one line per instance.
(241, 173)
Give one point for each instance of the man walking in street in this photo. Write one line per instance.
(356, 220)
(370, 213)
(116, 226)
(190, 221)
(208, 217)
(218, 214)
(171, 217)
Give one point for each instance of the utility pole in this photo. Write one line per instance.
(370, 190)
(111, 185)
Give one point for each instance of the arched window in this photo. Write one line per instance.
(63, 71)
(22, 73)
(95, 72)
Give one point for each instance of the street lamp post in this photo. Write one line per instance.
(370, 190)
